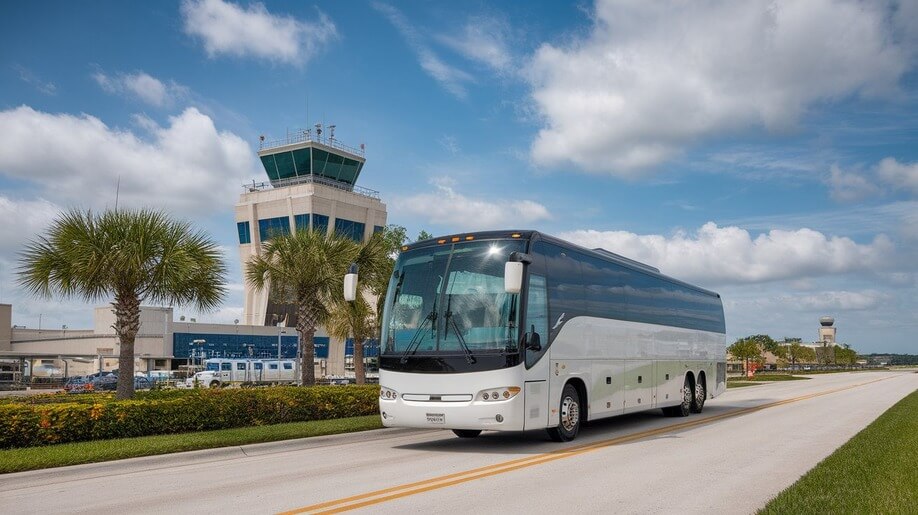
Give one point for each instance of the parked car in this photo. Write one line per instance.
(75, 382)
(104, 383)
(142, 383)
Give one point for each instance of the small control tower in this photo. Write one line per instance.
(312, 185)
(827, 330)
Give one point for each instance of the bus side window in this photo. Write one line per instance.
(537, 316)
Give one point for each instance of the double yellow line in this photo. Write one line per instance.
(396, 492)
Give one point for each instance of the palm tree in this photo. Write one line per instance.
(353, 319)
(133, 256)
(307, 269)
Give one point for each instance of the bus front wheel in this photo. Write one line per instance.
(467, 433)
(569, 424)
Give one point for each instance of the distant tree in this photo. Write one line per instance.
(845, 356)
(131, 256)
(353, 320)
(794, 353)
(424, 235)
(765, 342)
(746, 350)
(394, 237)
(807, 355)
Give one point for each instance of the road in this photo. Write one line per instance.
(748, 445)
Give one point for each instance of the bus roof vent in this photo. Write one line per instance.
(636, 264)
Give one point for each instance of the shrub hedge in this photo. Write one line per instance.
(99, 416)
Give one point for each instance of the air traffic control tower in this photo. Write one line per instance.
(311, 185)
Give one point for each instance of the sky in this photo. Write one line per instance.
(767, 150)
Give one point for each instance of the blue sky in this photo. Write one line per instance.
(767, 150)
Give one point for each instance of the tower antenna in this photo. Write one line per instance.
(117, 191)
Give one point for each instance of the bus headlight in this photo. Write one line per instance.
(387, 394)
(499, 394)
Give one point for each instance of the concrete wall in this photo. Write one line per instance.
(6, 324)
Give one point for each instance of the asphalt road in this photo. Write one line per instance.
(747, 446)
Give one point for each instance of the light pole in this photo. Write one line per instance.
(201, 343)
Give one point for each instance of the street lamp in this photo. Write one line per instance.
(201, 343)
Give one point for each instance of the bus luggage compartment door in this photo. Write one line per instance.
(536, 405)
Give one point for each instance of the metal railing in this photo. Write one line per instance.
(312, 179)
(306, 135)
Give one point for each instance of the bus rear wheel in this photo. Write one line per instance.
(701, 393)
(467, 433)
(569, 425)
(682, 410)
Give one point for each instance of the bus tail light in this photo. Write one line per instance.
(499, 394)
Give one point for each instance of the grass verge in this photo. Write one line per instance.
(876, 471)
(32, 458)
(769, 377)
(740, 384)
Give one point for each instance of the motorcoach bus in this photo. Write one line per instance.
(518, 330)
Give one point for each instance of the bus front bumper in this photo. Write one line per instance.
(505, 415)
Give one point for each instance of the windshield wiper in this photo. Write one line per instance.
(415, 340)
(449, 321)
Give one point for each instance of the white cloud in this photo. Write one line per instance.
(448, 207)
(31, 217)
(831, 301)
(227, 28)
(484, 40)
(452, 79)
(652, 78)
(188, 166)
(901, 176)
(142, 85)
(850, 186)
(450, 144)
(731, 255)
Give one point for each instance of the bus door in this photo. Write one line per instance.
(536, 394)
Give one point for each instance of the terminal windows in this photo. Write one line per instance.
(272, 366)
(320, 223)
(352, 230)
(226, 366)
(301, 222)
(245, 232)
(270, 227)
(377, 228)
(288, 366)
(240, 366)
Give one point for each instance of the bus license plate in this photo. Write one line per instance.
(436, 418)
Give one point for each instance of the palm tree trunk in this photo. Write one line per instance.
(306, 325)
(359, 372)
(127, 324)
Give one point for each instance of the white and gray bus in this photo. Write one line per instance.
(517, 330)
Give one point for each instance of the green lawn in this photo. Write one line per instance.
(874, 472)
(30, 458)
(769, 377)
(740, 384)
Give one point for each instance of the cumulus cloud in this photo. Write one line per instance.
(452, 79)
(227, 28)
(142, 85)
(484, 40)
(731, 255)
(446, 206)
(887, 176)
(652, 78)
(900, 176)
(188, 166)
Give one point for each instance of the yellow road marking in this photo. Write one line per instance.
(396, 492)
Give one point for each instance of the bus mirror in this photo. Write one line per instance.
(534, 341)
(350, 287)
(513, 277)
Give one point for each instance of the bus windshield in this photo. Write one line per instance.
(450, 300)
